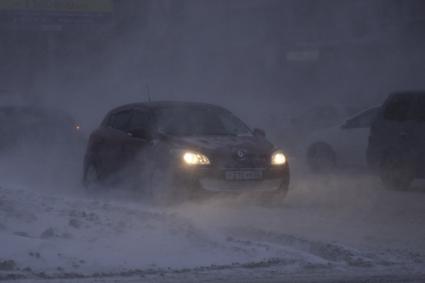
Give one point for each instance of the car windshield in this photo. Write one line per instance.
(199, 121)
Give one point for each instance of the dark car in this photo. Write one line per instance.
(29, 125)
(397, 139)
(183, 147)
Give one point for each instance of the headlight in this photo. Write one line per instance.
(195, 158)
(278, 158)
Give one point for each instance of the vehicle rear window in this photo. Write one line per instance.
(406, 108)
(397, 109)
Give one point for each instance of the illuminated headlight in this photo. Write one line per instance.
(278, 158)
(195, 158)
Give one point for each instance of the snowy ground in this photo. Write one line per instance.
(329, 228)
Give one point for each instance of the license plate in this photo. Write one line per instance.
(243, 175)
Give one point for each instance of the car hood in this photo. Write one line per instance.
(224, 144)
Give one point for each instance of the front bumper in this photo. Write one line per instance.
(213, 179)
(217, 185)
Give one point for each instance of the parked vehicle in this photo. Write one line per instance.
(183, 149)
(341, 146)
(397, 139)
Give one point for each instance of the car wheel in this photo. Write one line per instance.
(321, 157)
(396, 173)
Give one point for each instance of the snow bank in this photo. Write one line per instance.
(57, 235)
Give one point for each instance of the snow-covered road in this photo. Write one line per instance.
(342, 225)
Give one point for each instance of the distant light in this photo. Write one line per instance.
(77, 127)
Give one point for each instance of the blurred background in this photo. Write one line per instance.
(275, 58)
(299, 69)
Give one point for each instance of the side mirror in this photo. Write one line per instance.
(259, 133)
(141, 134)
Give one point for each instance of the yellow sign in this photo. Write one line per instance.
(100, 6)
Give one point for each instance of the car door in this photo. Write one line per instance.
(139, 135)
(398, 126)
(111, 141)
(414, 132)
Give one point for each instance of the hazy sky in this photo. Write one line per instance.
(270, 56)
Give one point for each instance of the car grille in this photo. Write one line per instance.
(233, 162)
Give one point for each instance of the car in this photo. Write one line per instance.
(341, 146)
(178, 149)
(23, 126)
(396, 146)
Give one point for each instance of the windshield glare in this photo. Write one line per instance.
(190, 121)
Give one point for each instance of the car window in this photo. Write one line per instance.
(397, 108)
(406, 107)
(141, 120)
(231, 124)
(120, 120)
(362, 120)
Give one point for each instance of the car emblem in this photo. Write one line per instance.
(241, 153)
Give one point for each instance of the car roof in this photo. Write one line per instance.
(162, 104)
(154, 105)
(411, 93)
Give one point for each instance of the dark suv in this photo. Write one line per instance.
(182, 147)
(397, 139)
